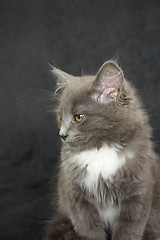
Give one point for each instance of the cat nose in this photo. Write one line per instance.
(63, 137)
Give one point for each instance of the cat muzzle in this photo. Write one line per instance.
(63, 137)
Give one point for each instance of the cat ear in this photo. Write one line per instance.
(108, 82)
(63, 78)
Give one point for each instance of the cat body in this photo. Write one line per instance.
(109, 179)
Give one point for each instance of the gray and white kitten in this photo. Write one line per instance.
(109, 179)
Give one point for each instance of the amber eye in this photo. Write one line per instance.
(78, 118)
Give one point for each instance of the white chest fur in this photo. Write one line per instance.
(108, 214)
(103, 162)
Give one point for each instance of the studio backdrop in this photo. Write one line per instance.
(76, 36)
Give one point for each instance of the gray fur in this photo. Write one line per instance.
(118, 120)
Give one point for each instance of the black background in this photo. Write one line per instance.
(76, 36)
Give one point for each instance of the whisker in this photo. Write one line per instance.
(34, 91)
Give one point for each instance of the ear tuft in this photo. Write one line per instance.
(108, 82)
(63, 79)
(60, 75)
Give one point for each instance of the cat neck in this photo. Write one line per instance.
(90, 165)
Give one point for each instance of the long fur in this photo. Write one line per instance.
(109, 178)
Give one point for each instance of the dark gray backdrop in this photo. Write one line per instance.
(75, 36)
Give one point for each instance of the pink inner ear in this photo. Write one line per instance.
(110, 88)
(107, 85)
(107, 94)
(111, 91)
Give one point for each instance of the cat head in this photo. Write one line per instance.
(97, 109)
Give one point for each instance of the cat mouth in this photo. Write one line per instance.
(74, 142)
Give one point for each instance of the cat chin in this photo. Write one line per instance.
(84, 143)
(78, 143)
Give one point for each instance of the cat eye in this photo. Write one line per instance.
(78, 118)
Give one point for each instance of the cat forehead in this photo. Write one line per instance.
(76, 93)
(80, 84)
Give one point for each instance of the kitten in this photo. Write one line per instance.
(109, 179)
